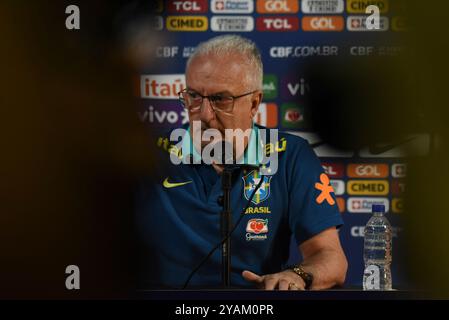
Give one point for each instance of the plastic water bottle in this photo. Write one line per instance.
(377, 251)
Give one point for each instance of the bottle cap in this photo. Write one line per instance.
(378, 208)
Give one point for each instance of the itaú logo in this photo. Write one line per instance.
(277, 6)
(161, 86)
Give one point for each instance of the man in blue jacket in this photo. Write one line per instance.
(178, 216)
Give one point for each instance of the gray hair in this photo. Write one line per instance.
(228, 44)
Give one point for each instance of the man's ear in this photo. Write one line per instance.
(255, 102)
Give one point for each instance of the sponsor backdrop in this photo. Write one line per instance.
(288, 32)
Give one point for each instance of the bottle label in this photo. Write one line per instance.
(371, 278)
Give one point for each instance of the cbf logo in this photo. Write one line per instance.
(251, 180)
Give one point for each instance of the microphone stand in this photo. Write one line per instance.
(226, 214)
(226, 225)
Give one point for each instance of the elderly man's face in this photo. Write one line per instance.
(210, 75)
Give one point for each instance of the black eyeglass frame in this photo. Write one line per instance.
(212, 103)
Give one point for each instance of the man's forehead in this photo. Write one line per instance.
(223, 71)
(226, 58)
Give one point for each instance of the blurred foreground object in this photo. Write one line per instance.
(381, 101)
(427, 223)
(71, 149)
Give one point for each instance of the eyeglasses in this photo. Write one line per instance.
(193, 101)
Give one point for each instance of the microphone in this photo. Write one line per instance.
(226, 227)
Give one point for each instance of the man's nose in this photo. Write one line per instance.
(207, 113)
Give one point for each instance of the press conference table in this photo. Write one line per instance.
(245, 294)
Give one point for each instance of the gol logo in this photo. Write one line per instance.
(277, 6)
(257, 226)
(359, 6)
(323, 23)
(368, 187)
(277, 24)
(187, 23)
(368, 170)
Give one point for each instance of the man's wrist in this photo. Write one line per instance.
(307, 277)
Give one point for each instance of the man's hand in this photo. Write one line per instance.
(285, 280)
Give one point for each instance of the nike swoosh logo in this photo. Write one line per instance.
(169, 185)
(376, 150)
(317, 144)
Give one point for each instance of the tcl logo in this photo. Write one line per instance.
(267, 115)
(277, 24)
(277, 6)
(368, 170)
(158, 86)
(333, 170)
(397, 187)
(323, 23)
(186, 6)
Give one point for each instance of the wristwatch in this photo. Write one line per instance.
(306, 276)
